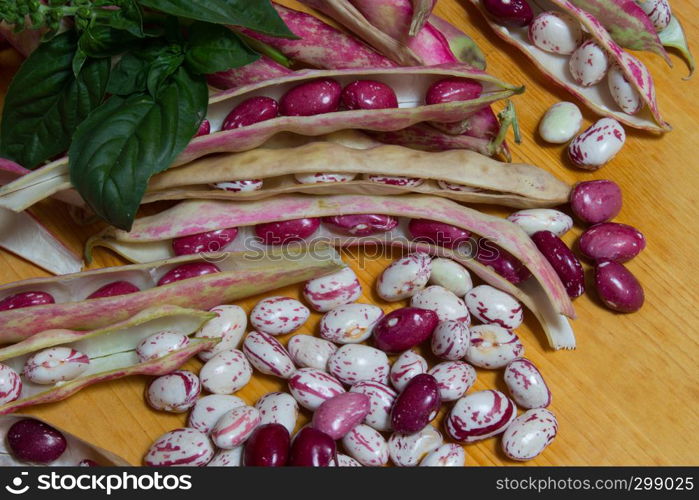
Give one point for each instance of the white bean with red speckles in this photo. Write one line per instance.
(354, 363)
(310, 352)
(623, 92)
(556, 32)
(334, 290)
(345, 461)
(350, 324)
(181, 447)
(175, 392)
(460, 188)
(529, 434)
(451, 275)
(447, 455)
(404, 277)
(324, 178)
(229, 325)
(235, 426)
(278, 408)
(160, 344)
(10, 385)
(490, 305)
(310, 387)
(454, 379)
(406, 450)
(493, 346)
(394, 180)
(526, 384)
(479, 415)
(209, 409)
(55, 364)
(226, 373)
(450, 340)
(381, 399)
(278, 315)
(598, 144)
(228, 458)
(408, 365)
(244, 186)
(366, 445)
(267, 355)
(445, 303)
(533, 220)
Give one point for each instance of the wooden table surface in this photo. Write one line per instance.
(627, 395)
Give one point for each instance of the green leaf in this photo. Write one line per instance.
(128, 18)
(258, 15)
(46, 102)
(162, 67)
(128, 139)
(214, 48)
(103, 41)
(131, 73)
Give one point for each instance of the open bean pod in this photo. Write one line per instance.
(76, 452)
(597, 97)
(544, 294)
(110, 352)
(242, 274)
(461, 175)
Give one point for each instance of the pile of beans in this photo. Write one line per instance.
(560, 33)
(359, 401)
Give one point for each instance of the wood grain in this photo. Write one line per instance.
(627, 395)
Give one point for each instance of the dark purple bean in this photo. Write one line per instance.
(34, 441)
(340, 414)
(361, 224)
(613, 241)
(596, 201)
(502, 262)
(114, 289)
(251, 111)
(404, 328)
(278, 233)
(417, 405)
(617, 287)
(26, 299)
(453, 89)
(311, 98)
(437, 233)
(369, 94)
(186, 271)
(512, 12)
(213, 241)
(267, 446)
(563, 261)
(312, 448)
(204, 128)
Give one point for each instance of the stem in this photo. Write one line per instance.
(508, 118)
(264, 49)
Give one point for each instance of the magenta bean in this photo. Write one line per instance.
(186, 271)
(26, 299)
(312, 98)
(404, 328)
(511, 12)
(369, 94)
(453, 89)
(340, 414)
(437, 233)
(502, 262)
(251, 111)
(617, 287)
(33, 441)
(278, 233)
(267, 446)
(114, 289)
(361, 224)
(613, 241)
(312, 448)
(204, 128)
(596, 201)
(563, 261)
(213, 241)
(417, 405)
(86, 462)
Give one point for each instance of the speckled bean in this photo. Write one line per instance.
(267, 355)
(181, 447)
(350, 324)
(160, 344)
(55, 364)
(311, 98)
(241, 186)
(359, 225)
(490, 305)
(328, 292)
(450, 340)
(366, 445)
(310, 352)
(310, 387)
(617, 287)
(613, 241)
(526, 384)
(279, 233)
(280, 408)
(453, 378)
(10, 385)
(209, 409)
(417, 404)
(228, 458)
(406, 450)
(502, 262)
(26, 299)
(493, 346)
(533, 220)
(624, 94)
(323, 177)
(404, 277)
(437, 233)
(187, 271)
(354, 363)
(596, 201)
(175, 392)
(227, 372)
(369, 94)
(212, 241)
(250, 111)
(555, 32)
(447, 455)
(529, 434)
(445, 303)
(404, 329)
(381, 399)
(597, 145)
(563, 261)
(229, 325)
(235, 427)
(408, 365)
(451, 275)
(393, 180)
(278, 315)
(480, 415)
(340, 414)
(113, 289)
(452, 90)
(589, 64)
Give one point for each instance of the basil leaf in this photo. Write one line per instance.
(258, 15)
(103, 41)
(162, 68)
(128, 139)
(46, 101)
(127, 18)
(131, 73)
(214, 48)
